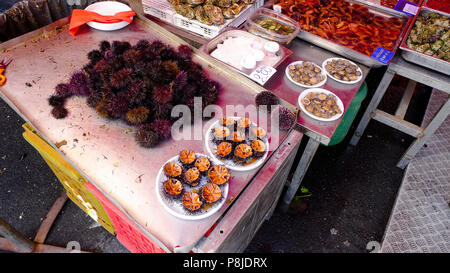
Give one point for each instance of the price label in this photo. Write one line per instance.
(383, 55)
(407, 7)
(262, 74)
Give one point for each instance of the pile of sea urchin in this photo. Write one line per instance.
(139, 84)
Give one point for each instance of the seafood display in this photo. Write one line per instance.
(139, 85)
(321, 104)
(274, 26)
(237, 142)
(441, 5)
(392, 3)
(342, 70)
(431, 35)
(192, 181)
(306, 74)
(209, 12)
(346, 23)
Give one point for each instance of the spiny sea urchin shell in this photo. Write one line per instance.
(104, 46)
(266, 98)
(102, 108)
(59, 112)
(142, 44)
(137, 91)
(79, 84)
(138, 115)
(162, 127)
(162, 94)
(184, 51)
(146, 137)
(95, 56)
(132, 56)
(55, 100)
(63, 90)
(118, 105)
(122, 77)
(287, 119)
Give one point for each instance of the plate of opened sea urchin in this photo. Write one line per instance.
(138, 84)
(191, 187)
(238, 143)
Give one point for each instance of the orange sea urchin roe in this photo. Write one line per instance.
(221, 132)
(192, 174)
(227, 121)
(173, 186)
(258, 145)
(211, 192)
(258, 132)
(243, 151)
(172, 169)
(224, 148)
(238, 136)
(219, 174)
(187, 156)
(202, 164)
(244, 122)
(191, 201)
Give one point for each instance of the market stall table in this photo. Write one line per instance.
(105, 152)
(414, 73)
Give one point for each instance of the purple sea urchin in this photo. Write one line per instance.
(59, 112)
(118, 105)
(162, 127)
(55, 100)
(162, 94)
(266, 98)
(122, 78)
(139, 85)
(63, 90)
(287, 119)
(146, 137)
(138, 115)
(79, 84)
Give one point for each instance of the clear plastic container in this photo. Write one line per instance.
(253, 27)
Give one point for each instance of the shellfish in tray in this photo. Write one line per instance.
(215, 14)
(222, 3)
(201, 16)
(227, 13)
(184, 10)
(193, 3)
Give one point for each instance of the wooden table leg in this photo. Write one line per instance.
(302, 167)
(379, 93)
(415, 147)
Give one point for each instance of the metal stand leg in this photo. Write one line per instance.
(379, 93)
(429, 131)
(300, 172)
(16, 242)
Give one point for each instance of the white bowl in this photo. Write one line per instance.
(341, 81)
(108, 8)
(338, 102)
(175, 206)
(302, 85)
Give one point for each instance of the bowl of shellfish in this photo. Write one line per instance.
(306, 74)
(191, 186)
(342, 70)
(321, 104)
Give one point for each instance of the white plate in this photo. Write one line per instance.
(175, 207)
(229, 163)
(341, 81)
(338, 102)
(108, 8)
(302, 85)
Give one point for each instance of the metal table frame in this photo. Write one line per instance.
(415, 74)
